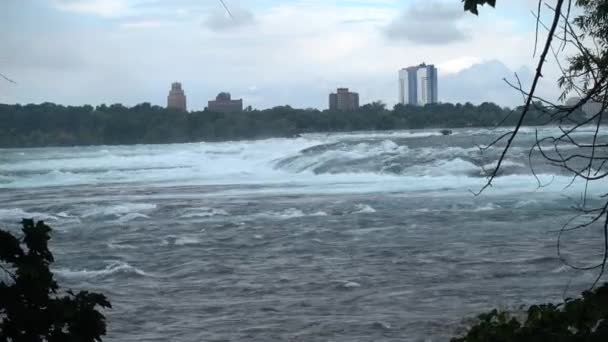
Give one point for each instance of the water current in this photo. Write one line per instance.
(325, 237)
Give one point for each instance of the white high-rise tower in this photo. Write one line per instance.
(418, 85)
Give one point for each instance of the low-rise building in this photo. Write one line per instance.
(224, 104)
(343, 100)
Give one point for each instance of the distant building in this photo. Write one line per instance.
(591, 108)
(224, 104)
(176, 98)
(571, 102)
(418, 85)
(343, 100)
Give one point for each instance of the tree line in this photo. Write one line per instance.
(49, 124)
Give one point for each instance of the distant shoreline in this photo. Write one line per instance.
(51, 125)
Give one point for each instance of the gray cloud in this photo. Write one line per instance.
(51, 54)
(428, 22)
(483, 82)
(219, 20)
(72, 58)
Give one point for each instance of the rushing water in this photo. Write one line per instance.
(341, 237)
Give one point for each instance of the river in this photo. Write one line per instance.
(327, 237)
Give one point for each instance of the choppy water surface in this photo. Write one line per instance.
(342, 237)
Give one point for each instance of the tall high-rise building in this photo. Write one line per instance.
(418, 85)
(176, 98)
(343, 100)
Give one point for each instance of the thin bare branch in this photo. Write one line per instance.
(8, 79)
(527, 106)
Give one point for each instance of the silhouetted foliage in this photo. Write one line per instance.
(49, 124)
(582, 319)
(32, 306)
(471, 5)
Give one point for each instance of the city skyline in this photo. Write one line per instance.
(359, 44)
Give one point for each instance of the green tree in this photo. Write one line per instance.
(583, 319)
(33, 308)
(49, 124)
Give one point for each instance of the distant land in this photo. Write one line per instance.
(48, 124)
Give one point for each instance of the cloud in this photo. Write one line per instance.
(294, 52)
(219, 20)
(44, 51)
(103, 8)
(483, 82)
(428, 22)
(458, 64)
(143, 24)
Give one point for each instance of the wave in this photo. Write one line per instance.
(181, 240)
(122, 210)
(17, 214)
(132, 217)
(330, 161)
(289, 213)
(118, 245)
(203, 212)
(348, 285)
(526, 203)
(187, 240)
(363, 209)
(383, 157)
(118, 267)
(487, 207)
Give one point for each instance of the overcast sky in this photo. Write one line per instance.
(272, 53)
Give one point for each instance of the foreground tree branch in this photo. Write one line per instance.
(527, 106)
(7, 79)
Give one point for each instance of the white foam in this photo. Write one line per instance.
(17, 214)
(363, 209)
(187, 240)
(113, 268)
(443, 169)
(455, 167)
(114, 245)
(204, 212)
(525, 203)
(149, 163)
(117, 209)
(289, 213)
(132, 216)
(377, 134)
(561, 269)
(487, 207)
(181, 240)
(284, 214)
(350, 285)
(505, 163)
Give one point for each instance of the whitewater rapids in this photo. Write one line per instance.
(340, 237)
